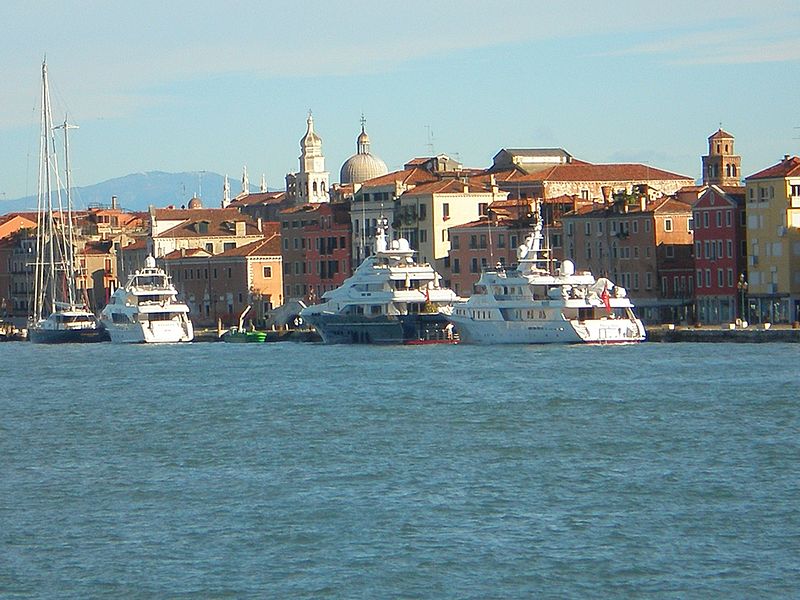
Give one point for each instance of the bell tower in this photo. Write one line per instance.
(721, 166)
(312, 178)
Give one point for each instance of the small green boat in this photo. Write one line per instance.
(237, 336)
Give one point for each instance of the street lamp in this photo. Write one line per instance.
(741, 285)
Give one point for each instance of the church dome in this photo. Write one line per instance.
(195, 203)
(362, 166)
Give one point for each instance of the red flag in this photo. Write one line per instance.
(606, 299)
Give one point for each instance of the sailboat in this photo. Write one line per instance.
(57, 316)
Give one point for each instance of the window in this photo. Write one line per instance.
(708, 278)
(698, 249)
(482, 208)
(669, 250)
(473, 267)
(423, 211)
(697, 219)
(691, 223)
(473, 242)
(719, 218)
(699, 278)
(647, 226)
(728, 218)
(446, 211)
(720, 278)
(635, 226)
(483, 241)
(501, 240)
(587, 228)
(210, 248)
(456, 266)
(648, 279)
(708, 249)
(455, 244)
(267, 272)
(730, 278)
(667, 224)
(729, 244)
(228, 246)
(423, 235)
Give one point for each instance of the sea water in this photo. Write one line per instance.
(310, 471)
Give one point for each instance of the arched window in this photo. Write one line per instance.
(315, 188)
(733, 170)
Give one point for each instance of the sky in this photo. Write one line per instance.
(200, 86)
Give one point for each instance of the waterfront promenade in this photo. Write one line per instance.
(723, 333)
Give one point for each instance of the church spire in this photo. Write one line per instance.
(226, 192)
(245, 182)
(362, 144)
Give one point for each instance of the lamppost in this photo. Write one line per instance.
(741, 285)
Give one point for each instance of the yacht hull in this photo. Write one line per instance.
(404, 329)
(622, 331)
(67, 336)
(162, 332)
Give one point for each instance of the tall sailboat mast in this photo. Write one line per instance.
(69, 239)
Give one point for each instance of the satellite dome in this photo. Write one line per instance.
(362, 166)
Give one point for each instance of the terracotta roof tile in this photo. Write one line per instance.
(788, 167)
(268, 246)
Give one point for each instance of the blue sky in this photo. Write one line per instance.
(187, 86)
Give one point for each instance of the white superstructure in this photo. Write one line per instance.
(146, 310)
(529, 304)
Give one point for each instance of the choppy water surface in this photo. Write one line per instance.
(306, 471)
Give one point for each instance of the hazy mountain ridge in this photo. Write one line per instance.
(137, 191)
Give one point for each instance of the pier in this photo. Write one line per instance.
(723, 333)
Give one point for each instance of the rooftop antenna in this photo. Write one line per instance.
(429, 144)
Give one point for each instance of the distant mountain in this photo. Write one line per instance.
(137, 191)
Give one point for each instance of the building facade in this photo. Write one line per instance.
(773, 243)
(720, 251)
(316, 250)
(218, 288)
(642, 245)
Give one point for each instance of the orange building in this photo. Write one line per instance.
(220, 287)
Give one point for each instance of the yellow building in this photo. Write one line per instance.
(773, 243)
(426, 212)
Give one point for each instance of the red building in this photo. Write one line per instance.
(720, 250)
(316, 249)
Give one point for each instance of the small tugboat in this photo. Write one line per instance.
(535, 304)
(389, 299)
(146, 310)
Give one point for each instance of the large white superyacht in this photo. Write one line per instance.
(146, 310)
(533, 304)
(389, 299)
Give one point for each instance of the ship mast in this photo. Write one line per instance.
(69, 254)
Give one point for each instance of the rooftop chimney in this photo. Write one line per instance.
(113, 203)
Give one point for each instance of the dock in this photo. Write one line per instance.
(753, 334)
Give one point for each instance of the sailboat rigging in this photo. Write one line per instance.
(56, 315)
